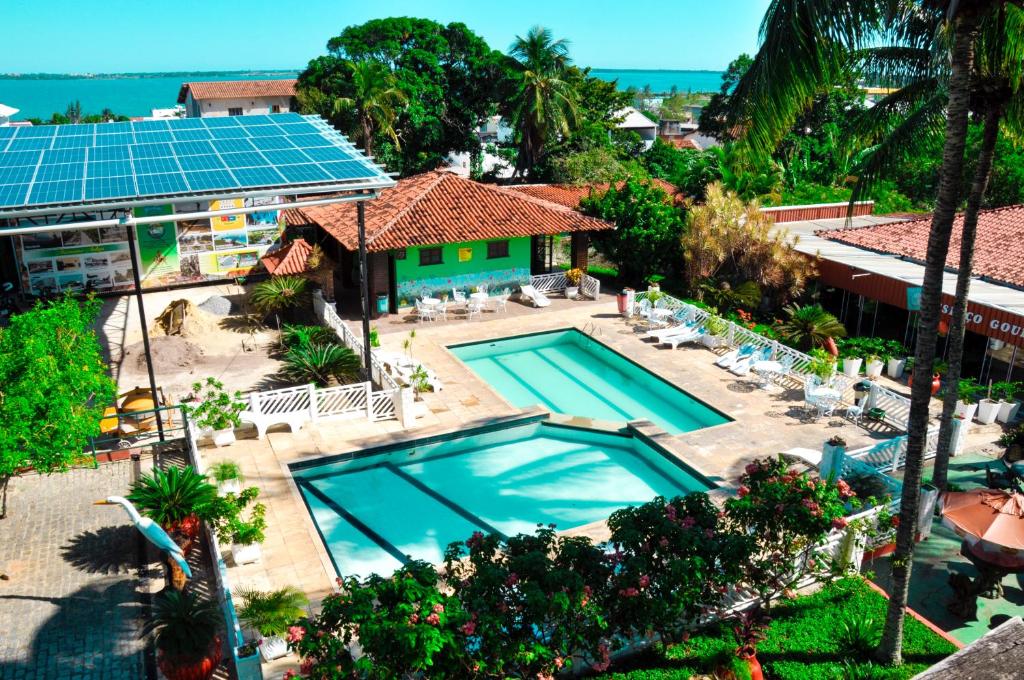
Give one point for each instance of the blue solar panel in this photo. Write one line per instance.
(205, 180)
(109, 169)
(51, 173)
(284, 156)
(244, 159)
(154, 166)
(56, 192)
(17, 174)
(109, 187)
(147, 159)
(200, 163)
(257, 177)
(170, 183)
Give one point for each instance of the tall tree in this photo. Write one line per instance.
(716, 117)
(375, 100)
(545, 103)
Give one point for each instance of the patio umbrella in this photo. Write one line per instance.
(991, 521)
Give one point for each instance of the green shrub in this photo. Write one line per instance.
(319, 363)
(293, 335)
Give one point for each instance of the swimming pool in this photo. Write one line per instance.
(381, 506)
(567, 371)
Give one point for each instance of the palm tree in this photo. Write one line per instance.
(804, 46)
(810, 326)
(545, 104)
(376, 101)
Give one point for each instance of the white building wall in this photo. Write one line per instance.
(249, 106)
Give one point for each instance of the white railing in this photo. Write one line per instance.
(546, 283)
(343, 400)
(330, 318)
(382, 405)
(296, 406)
(891, 455)
(896, 406)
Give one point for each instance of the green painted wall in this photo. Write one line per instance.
(506, 272)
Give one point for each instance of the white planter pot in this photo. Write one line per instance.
(965, 411)
(712, 341)
(273, 647)
(851, 367)
(246, 554)
(224, 437)
(895, 368)
(229, 486)
(571, 292)
(654, 288)
(1007, 411)
(988, 409)
(874, 369)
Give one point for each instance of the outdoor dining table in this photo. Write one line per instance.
(430, 302)
(766, 369)
(826, 393)
(482, 297)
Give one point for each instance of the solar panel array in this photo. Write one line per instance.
(112, 162)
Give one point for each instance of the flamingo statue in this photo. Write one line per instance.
(153, 532)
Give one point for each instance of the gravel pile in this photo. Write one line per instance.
(216, 304)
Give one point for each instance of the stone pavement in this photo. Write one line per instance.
(70, 604)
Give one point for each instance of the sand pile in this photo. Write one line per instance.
(193, 321)
(170, 353)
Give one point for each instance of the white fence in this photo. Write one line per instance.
(330, 318)
(546, 283)
(891, 455)
(296, 406)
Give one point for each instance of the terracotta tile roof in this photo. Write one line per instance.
(289, 259)
(441, 207)
(570, 195)
(235, 89)
(680, 142)
(999, 244)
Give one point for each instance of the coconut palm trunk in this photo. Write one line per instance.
(962, 61)
(958, 325)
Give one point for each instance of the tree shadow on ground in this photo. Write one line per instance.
(107, 550)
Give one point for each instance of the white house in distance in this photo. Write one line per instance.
(634, 121)
(6, 112)
(236, 97)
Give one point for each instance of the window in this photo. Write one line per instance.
(430, 256)
(276, 108)
(235, 112)
(496, 249)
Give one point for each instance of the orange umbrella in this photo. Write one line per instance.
(991, 521)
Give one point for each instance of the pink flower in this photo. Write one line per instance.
(629, 592)
(512, 579)
(709, 533)
(688, 522)
(839, 523)
(296, 633)
(306, 667)
(752, 468)
(433, 619)
(663, 542)
(844, 489)
(475, 540)
(469, 627)
(558, 662)
(743, 491)
(644, 581)
(438, 608)
(602, 665)
(415, 618)
(288, 674)
(670, 512)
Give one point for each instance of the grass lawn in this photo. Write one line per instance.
(802, 643)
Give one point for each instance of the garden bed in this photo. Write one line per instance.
(802, 642)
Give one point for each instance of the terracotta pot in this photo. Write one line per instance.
(831, 347)
(936, 382)
(202, 669)
(755, 668)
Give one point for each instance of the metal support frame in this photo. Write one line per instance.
(133, 251)
(364, 287)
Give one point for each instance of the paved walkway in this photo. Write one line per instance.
(70, 605)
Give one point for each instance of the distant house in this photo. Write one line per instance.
(6, 112)
(236, 97)
(437, 231)
(634, 121)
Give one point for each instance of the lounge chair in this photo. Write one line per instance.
(535, 296)
(729, 358)
(811, 457)
(742, 366)
(692, 335)
(660, 334)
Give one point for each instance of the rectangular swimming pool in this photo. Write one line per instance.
(569, 372)
(376, 510)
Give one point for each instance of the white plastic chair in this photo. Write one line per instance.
(424, 312)
(441, 311)
(811, 382)
(854, 413)
(458, 296)
(473, 308)
(500, 302)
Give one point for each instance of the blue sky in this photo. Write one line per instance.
(121, 36)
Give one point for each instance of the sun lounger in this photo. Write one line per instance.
(728, 359)
(660, 334)
(810, 457)
(691, 335)
(742, 366)
(535, 296)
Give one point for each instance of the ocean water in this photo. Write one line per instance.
(136, 96)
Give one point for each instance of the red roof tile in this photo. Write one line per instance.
(441, 207)
(289, 259)
(998, 249)
(234, 89)
(570, 195)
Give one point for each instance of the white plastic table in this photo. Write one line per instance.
(766, 369)
(826, 393)
(478, 296)
(430, 302)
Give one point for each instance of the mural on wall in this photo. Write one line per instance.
(495, 280)
(171, 253)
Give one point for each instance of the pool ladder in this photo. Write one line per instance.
(590, 329)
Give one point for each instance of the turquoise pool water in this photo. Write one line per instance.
(377, 509)
(569, 372)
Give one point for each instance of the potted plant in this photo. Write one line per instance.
(749, 631)
(654, 283)
(419, 380)
(894, 355)
(988, 408)
(215, 410)
(852, 359)
(822, 364)
(244, 535)
(967, 392)
(247, 660)
(1012, 441)
(185, 628)
(177, 499)
(1006, 391)
(268, 613)
(228, 476)
(573, 278)
(716, 328)
(873, 367)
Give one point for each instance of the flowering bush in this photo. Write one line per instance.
(533, 602)
(672, 560)
(787, 515)
(404, 624)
